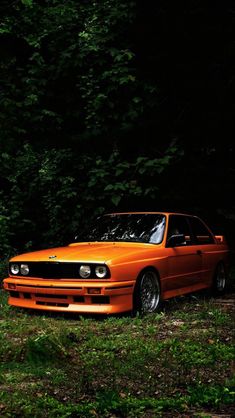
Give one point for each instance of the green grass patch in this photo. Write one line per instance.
(109, 403)
(159, 365)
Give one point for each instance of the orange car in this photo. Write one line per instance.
(123, 262)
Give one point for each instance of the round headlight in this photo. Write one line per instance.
(100, 271)
(24, 269)
(14, 268)
(85, 271)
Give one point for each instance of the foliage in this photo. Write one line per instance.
(100, 112)
(68, 191)
(68, 77)
(76, 75)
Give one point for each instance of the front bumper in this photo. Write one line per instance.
(70, 296)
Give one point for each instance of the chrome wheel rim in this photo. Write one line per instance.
(220, 278)
(149, 292)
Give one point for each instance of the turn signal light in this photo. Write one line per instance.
(94, 291)
(11, 286)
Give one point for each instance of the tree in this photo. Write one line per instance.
(109, 105)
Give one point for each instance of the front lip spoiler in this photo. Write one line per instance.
(124, 306)
(38, 295)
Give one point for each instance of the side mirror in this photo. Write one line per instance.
(176, 240)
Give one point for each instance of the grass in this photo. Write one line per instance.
(172, 364)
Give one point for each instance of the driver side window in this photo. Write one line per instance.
(178, 225)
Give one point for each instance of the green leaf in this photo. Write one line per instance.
(115, 200)
(108, 187)
(27, 3)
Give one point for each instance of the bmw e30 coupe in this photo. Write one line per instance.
(122, 262)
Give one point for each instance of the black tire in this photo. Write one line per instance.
(147, 294)
(220, 280)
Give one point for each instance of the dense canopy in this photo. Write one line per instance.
(113, 105)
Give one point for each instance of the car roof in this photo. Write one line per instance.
(150, 213)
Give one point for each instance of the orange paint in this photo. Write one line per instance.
(179, 269)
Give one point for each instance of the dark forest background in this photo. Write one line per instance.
(113, 105)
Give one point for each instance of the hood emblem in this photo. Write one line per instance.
(52, 256)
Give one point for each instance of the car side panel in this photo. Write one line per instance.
(184, 267)
(211, 256)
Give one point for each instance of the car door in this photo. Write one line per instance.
(205, 243)
(184, 259)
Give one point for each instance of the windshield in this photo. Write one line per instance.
(148, 228)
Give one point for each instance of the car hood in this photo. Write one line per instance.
(93, 252)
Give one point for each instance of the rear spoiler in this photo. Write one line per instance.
(220, 239)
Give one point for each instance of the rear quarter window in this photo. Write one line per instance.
(201, 234)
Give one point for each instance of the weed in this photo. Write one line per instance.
(44, 348)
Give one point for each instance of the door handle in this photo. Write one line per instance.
(199, 252)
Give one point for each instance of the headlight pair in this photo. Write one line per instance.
(100, 271)
(67, 270)
(19, 268)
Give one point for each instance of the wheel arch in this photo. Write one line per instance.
(135, 291)
(217, 264)
(214, 288)
(150, 267)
